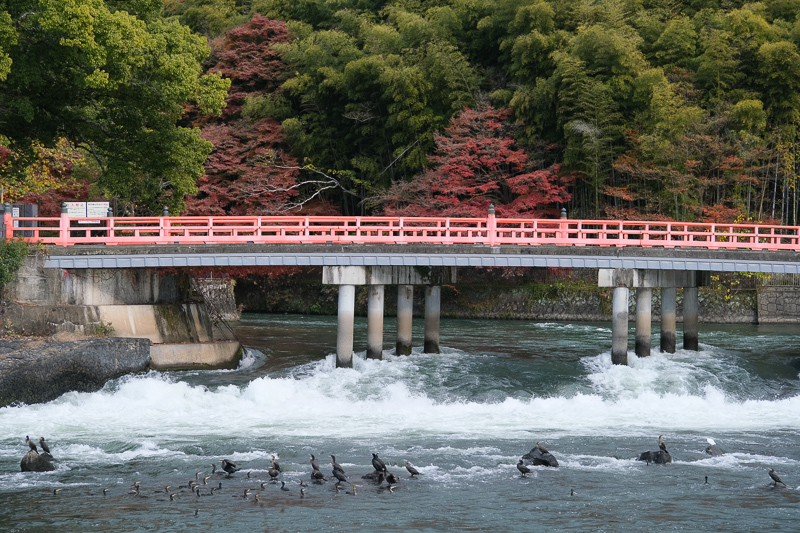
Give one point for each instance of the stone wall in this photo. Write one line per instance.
(779, 305)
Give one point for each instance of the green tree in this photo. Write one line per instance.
(114, 83)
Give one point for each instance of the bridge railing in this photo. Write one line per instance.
(398, 230)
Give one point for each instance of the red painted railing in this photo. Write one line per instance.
(398, 230)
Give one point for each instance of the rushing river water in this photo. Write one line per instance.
(463, 418)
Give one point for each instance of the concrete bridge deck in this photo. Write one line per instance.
(420, 254)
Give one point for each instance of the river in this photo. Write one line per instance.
(463, 418)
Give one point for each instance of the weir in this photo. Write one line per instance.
(376, 277)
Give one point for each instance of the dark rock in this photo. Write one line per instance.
(43, 369)
(37, 462)
(660, 457)
(714, 450)
(538, 458)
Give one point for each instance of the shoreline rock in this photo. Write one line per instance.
(42, 369)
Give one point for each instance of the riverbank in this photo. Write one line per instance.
(519, 294)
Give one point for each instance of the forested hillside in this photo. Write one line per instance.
(652, 109)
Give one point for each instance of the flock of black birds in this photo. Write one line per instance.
(199, 486)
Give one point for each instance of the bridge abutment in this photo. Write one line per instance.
(377, 277)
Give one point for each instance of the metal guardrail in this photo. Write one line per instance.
(491, 231)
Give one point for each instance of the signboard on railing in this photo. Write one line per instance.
(87, 209)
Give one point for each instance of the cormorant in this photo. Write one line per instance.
(379, 465)
(775, 478)
(31, 444)
(284, 487)
(228, 466)
(661, 445)
(246, 494)
(391, 479)
(314, 463)
(263, 485)
(44, 445)
(522, 468)
(336, 465)
(303, 492)
(172, 497)
(339, 474)
(56, 491)
(105, 491)
(275, 464)
(411, 470)
(352, 492)
(317, 475)
(273, 473)
(197, 475)
(542, 448)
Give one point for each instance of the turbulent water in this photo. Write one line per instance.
(463, 418)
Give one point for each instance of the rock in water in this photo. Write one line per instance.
(540, 459)
(660, 457)
(34, 462)
(714, 450)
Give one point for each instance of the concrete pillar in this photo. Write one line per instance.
(375, 322)
(668, 319)
(433, 298)
(405, 310)
(644, 298)
(690, 312)
(344, 335)
(619, 327)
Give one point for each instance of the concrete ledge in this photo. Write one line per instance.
(206, 355)
(387, 275)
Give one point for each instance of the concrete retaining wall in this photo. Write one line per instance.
(779, 305)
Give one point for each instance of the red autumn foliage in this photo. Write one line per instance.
(234, 182)
(476, 164)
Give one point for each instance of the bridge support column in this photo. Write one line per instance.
(433, 297)
(405, 313)
(619, 326)
(375, 322)
(344, 332)
(668, 319)
(690, 318)
(644, 298)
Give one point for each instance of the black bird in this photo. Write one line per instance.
(56, 491)
(391, 479)
(31, 444)
(213, 469)
(314, 463)
(336, 466)
(379, 465)
(411, 470)
(284, 487)
(542, 448)
(275, 464)
(661, 445)
(339, 474)
(303, 492)
(44, 445)
(317, 475)
(273, 473)
(775, 478)
(352, 492)
(522, 468)
(706, 483)
(228, 466)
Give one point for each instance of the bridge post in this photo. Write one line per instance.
(375, 322)
(7, 229)
(405, 310)
(346, 321)
(619, 326)
(668, 319)
(690, 318)
(643, 318)
(433, 297)
(63, 225)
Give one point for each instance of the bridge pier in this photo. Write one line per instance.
(405, 315)
(644, 303)
(376, 277)
(668, 319)
(433, 296)
(344, 330)
(644, 280)
(375, 322)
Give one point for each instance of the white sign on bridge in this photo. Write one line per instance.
(87, 209)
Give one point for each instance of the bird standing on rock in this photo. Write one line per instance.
(411, 470)
(377, 464)
(275, 464)
(522, 468)
(661, 445)
(31, 444)
(314, 463)
(542, 448)
(336, 465)
(776, 478)
(44, 445)
(228, 466)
